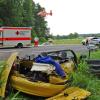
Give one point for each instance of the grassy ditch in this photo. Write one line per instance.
(84, 79)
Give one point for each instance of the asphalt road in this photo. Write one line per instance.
(5, 52)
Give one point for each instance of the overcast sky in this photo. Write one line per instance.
(82, 16)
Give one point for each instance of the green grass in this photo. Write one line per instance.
(95, 55)
(67, 41)
(84, 79)
(1, 70)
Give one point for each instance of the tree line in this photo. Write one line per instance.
(76, 35)
(23, 13)
(70, 36)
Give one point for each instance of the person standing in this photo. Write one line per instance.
(36, 42)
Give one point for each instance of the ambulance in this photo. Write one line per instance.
(15, 36)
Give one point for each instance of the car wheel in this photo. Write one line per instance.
(19, 45)
(83, 43)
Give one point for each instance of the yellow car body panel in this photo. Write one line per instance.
(71, 93)
(36, 88)
(4, 75)
(68, 67)
(57, 80)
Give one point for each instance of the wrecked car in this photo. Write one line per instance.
(35, 77)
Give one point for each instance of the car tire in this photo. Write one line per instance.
(19, 45)
(83, 43)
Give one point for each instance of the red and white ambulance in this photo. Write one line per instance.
(15, 36)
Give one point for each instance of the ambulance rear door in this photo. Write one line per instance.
(1, 36)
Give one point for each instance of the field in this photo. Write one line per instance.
(68, 41)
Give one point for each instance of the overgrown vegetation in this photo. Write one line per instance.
(84, 79)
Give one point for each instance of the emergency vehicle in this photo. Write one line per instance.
(15, 36)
